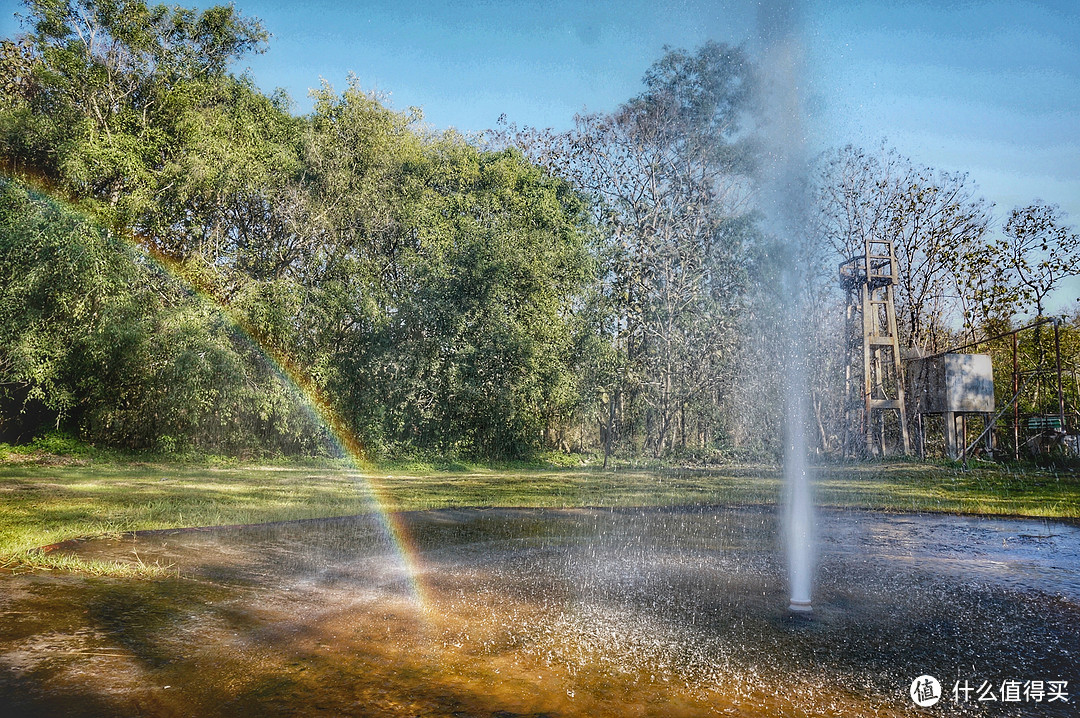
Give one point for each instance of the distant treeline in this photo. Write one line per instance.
(171, 237)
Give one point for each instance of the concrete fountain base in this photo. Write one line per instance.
(800, 606)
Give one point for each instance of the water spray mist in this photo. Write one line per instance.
(784, 192)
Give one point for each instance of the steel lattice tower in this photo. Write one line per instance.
(874, 378)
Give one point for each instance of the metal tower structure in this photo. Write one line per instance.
(874, 378)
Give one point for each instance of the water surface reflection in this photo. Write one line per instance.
(549, 612)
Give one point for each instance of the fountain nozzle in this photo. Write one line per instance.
(800, 606)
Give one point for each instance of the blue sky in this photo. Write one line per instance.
(991, 88)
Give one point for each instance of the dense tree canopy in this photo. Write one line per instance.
(610, 287)
(422, 284)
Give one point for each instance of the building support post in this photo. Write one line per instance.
(1016, 402)
(950, 435)
(1057, 355)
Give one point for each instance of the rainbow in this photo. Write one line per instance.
(294, 375)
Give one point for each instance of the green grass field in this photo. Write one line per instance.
(42, 504)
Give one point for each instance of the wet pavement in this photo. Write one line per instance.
(544, 612)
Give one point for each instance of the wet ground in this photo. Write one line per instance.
(647, 612)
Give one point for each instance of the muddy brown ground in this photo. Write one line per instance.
(637, 612)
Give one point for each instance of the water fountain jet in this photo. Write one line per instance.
(785, 185)
(798, 506)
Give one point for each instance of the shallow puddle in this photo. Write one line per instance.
(637, 612)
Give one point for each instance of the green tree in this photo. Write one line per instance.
(668, 179)
(1042, 250)
(122, 353)
(425, 288)
(433, 302)
(107, 76)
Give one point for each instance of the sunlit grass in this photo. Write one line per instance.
(44, 505)
(39, 560)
